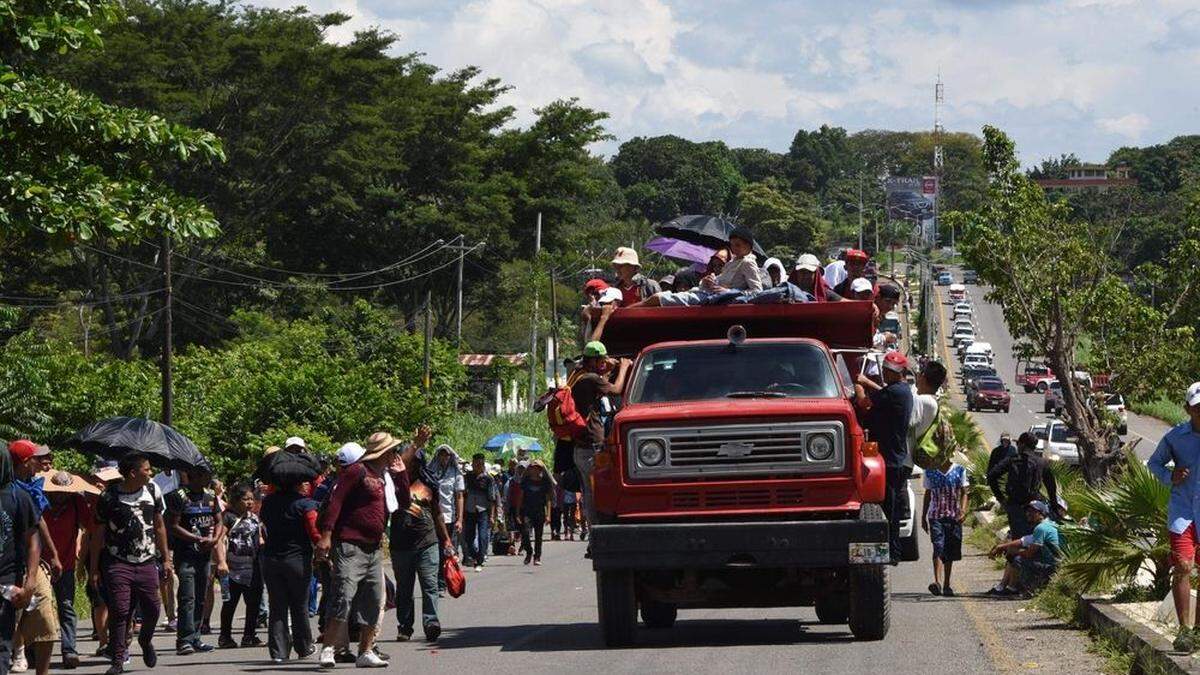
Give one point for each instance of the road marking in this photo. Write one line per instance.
(942, 337)
(997, 652)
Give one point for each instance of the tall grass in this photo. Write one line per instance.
(467, 432)
(1164, 409)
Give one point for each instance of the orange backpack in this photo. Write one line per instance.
(565, 421)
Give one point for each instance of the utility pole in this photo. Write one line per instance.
(425, 381)
(860, 213)
(168, 344)
(939, 159)
(554, 324)
(533, 340)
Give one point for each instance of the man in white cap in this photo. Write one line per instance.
(806, 275)
(633, 286)
(861, 289)
(1180, 449)
(295, 444)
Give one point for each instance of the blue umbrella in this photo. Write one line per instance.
(511, 442)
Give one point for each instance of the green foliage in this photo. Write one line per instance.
(778, 220)
(1165, 409)
(818, 157)
(1121, 530)
(467, 433)
(77, 168)
(666, 176)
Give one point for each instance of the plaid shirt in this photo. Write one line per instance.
(945, 491)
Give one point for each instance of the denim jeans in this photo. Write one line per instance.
(192, 583)
(313, 588)
(477, 536)
(416, 566)
(64, 593)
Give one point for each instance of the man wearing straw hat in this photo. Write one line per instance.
(358, 512)
(633, 285)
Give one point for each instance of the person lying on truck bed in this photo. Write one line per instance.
(807, 276)
(740, 273)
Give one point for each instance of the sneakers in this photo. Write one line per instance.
(114, 669)
(479, 568)
(19, 664)
(935, 589)
(225, 642)
(1186, 641)
(203, 647)
(528, 557)
(70, 661)
(537, 562)
(149, 655)
(172, 625)
(185, 649)
(403, 636)
(312, 649)
(344, 656)
(433, 630)
(252, 641)
(948, 592)
(369, 659)
(379, 652)
(327, 659)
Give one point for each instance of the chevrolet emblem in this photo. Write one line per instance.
(735, 450)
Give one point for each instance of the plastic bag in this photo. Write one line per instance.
(456, 581)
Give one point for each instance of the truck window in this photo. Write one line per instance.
(751, 370)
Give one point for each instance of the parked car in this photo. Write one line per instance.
(963, 345)
(1052, 400)
(963, 309)
(1115, 403)
(958, 292)
(964, 322)
(970, 277)
(945, 279)
(979, 348)
(1057, 443)
(988, 391)
(1029, 374)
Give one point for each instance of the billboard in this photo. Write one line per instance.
(913, 199)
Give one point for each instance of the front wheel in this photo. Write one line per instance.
(1041, 387)
(1028, 389)
(870, 602)
(1005, 410)
(658, 614)
(617, 606)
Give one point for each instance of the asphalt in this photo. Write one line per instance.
(1025, 409)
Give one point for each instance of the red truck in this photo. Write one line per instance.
(736, 473)
(1031, 375)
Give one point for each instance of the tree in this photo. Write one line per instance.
(817, 157)
(76, 168)
(1055, 167)
(1056, 281)
(667, 176)
(777, 220)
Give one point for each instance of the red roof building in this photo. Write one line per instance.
(1091, 177)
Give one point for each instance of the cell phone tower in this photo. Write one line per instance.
(939, 160)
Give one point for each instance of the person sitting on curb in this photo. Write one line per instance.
(1033, 558)
(1180, 449)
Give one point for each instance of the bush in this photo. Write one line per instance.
(467, 432)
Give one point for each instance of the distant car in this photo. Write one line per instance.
(975, 360)
(962, 335)
(958, 292)
(963, 308)
(1115, 403)
(963, 345)
(980, 348)
(1057, 443)
(988, 391)
(890, 323)
(970, 277)
(1029, 374)
(945, 279)
(969, 375)
(1052, 399)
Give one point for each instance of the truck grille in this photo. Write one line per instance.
(738, 449)
(738, 498)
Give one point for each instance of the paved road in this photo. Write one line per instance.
(1026, 409)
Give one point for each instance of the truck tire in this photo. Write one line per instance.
(833, 607)
(617, 607)
(659, 614)
(1042, 386)
(1028, 389)
(870, 602)
(910, 547)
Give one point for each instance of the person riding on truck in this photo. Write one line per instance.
(806, 275)
(587, 391)
(633, 285)
(887, 420)
(740, 273)
(855, 267)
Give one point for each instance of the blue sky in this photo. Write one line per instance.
(1082, 76)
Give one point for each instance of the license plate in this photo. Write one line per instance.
(869, 553)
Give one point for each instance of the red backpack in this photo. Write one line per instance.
(565, 420)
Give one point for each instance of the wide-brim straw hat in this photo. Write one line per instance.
(379, 443)
(61, 481)
(626, 256)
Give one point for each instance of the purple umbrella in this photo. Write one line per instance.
(680, 250)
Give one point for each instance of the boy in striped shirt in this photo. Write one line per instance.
(942, 516)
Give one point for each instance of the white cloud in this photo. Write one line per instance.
(1131, 126)
(1060, 77)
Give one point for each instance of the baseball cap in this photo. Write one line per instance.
(21, 450)
(594, 349)
(1193, 394)
(896, 362)
(808, 262)
(350, 453)
(1040, 506)
(855, 254)
(295, 442)
(596, 285)
(861, 285)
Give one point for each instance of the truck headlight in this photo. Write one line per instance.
(820, 447)
(651, 452)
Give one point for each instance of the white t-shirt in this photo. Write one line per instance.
(448, 487)
(924, 412)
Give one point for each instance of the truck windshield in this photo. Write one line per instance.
(751, 370)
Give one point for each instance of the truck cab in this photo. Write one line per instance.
(736, 473)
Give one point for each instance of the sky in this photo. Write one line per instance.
(1081, 76)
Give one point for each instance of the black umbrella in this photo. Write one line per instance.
(118, 436)
(288, 468)
(709, 231)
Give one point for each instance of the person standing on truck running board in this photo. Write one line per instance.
(633, 286)
(587, 391)
(1180, 447)
(887, 421)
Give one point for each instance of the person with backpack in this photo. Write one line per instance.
(1016, 481)
(587, 391)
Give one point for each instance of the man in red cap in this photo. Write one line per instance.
(855, 268)
(592, 290)
(887, 422)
